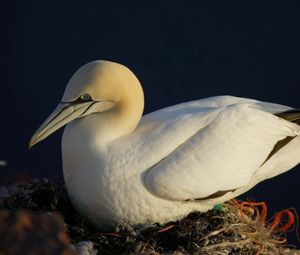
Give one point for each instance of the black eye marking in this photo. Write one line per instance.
(85, 98)
(82, 99)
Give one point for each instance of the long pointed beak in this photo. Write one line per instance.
(63, 114)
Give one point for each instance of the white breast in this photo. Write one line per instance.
(187, 151)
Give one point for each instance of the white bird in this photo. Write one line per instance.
(122, 167)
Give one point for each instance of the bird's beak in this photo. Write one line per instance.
(63, 114)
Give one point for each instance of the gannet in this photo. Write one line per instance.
(120, 166)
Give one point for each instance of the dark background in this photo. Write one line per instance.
(180, 51)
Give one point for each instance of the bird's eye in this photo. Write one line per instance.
(85, 98)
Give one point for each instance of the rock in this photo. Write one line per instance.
(23, 233)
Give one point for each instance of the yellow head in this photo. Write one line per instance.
(97, 87)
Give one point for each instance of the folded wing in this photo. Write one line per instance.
(223, 155)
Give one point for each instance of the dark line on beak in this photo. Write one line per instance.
(76, 101)
(54, 117)
(64, 108)
(88, 108)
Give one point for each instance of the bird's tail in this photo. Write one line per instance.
(291, 115)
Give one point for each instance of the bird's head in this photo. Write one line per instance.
(97, 87)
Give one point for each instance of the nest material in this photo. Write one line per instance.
(236, 228)
(25, 233)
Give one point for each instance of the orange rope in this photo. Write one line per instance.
(291, 214)
(165, 229)
(278, 219)
(109, 234)
(254, 205)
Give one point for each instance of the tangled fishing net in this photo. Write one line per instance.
(40, 210)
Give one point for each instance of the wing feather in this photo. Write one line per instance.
(223, 155)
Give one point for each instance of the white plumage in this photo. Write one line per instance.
(121, 167)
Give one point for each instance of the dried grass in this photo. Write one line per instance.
(237, 228)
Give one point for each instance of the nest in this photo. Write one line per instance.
(234, 228)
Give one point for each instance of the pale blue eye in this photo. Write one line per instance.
(85, 98)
